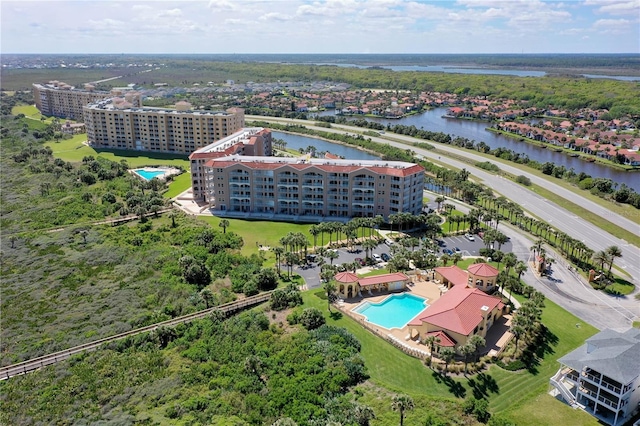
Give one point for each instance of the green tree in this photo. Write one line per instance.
(224, 224)
(402, 404)
(311, 318)
(330, 289)
(447, 354)
(613, 252)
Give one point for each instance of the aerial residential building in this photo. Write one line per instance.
(62, 100)
(117, 123)
(253, 141)
(602, 376)
(308, 189)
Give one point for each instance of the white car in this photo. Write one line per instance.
(377, 257)
(469, 237)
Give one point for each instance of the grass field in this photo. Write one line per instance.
(518, 394)
(255, 233)
(29, 111)
(449, 227)
(178, 185)
(74, 150)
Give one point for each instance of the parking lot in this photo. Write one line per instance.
(311, 272)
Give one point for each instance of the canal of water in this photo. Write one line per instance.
(434, 121)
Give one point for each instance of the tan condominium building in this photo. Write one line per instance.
(306, 189)
(118, 124)
(59, 99)
(253, 141)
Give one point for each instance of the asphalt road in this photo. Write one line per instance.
(578, 228)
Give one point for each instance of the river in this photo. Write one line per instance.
(483, 71)
(433, 120)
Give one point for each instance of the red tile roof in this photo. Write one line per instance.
(383, 279)
(483, 270)
(458, 310)
(444, 339)
(453, 274)
(346, 277)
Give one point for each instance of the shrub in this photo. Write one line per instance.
(523, 180)
(311, 318)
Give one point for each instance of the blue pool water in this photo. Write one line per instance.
(393, 312)
(149, 174)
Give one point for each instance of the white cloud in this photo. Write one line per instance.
(616, 7)
(275, 16)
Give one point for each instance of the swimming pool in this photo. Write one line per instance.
(148, 174)
(393, 312)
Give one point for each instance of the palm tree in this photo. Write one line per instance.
(518, 331)
(173, 216)
(332, 255)
(440, 199)
(613, 252)
(431, 342)
(402, 403)
(445, 258)
(447, 354)
(520, 268)
(314, 230)
(278, 251)
(537, 247)
(224, 224)
(601, 258)
(330, 288)
(510, 261)
(477, 342)
(457, 257)
(467, 350)
(368, 245)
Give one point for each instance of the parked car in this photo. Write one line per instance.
(385, 257)
(457, 250)
(441, 243)
(376, 257)
(447, 251)
(469, 237)
(361, 261)
(311, 258)
(389, 242)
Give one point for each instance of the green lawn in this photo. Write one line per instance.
(29, 111)
(388, 366)
(74, 150)
(515, 391)
(255, 233)
(449, 227)
(179, 184)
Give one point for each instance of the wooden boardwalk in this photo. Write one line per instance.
(35, 363)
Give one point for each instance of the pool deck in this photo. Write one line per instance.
(497, 337)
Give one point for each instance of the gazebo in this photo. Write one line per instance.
(347, 284)
(482, 276)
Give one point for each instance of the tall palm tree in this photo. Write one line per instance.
(613, 252)
(457, 257)
(368, 245)
(278, 251)
(520, 267)
(447, 354)
(224, 224)
(431, 342)
(314, 230)
(402, 403)
(330, 289)
(601, 258)
(467, 350)
(510, 261)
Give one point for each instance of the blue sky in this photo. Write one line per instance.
(320, 26)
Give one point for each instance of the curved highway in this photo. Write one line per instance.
(555, 215)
